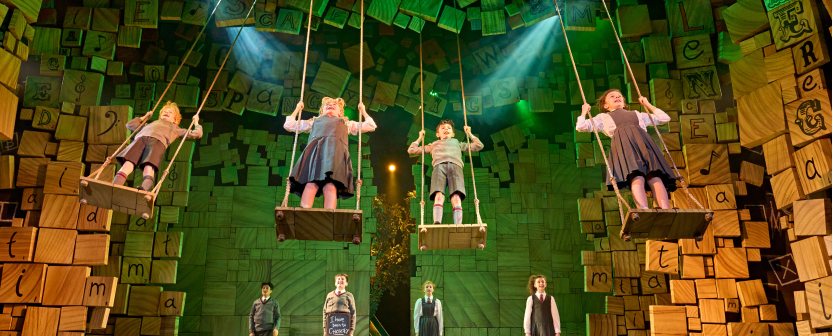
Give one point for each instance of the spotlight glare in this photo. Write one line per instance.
(392, 168)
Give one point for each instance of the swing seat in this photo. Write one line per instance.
(666, 223)
(452, 237)
(105, 195)
(339, 225)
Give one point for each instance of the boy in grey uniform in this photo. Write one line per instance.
(447, 167)
(264, 319)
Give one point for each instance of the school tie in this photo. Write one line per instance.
(541, 298)
(428, 300)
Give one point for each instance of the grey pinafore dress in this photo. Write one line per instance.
(633, 153)
(326, 159)
(428, 323)
(542, 323)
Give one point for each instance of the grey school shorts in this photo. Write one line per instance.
(450, 175)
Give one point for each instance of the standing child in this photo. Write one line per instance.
(541, 317)
(264, 319)
(634, 157)
(148, 148)
(447, 167)
(325, 166)
(340, 301)
(427, 316)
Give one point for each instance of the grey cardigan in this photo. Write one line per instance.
(448, 150)
(162, 130)
(340, 304)
(264, 317)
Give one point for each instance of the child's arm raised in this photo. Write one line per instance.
(368, 125)
(134, 124)
(292, 124)
(659, 116)
(585, 125)
(476, 144)
(196, 133)
(415, 149)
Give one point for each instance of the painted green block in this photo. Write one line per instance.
(288, 21)
(336, 17)
(402, 20)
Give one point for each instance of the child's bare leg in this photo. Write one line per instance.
(438, 203)
(456, 201)
(659, 192)
(330, 196)
(121, 175)
(637, 187)
(308, 196)
(147, 182)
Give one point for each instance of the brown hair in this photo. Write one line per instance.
(347, 278)
(532, 280)
(425, 284)
(444, 122)
(600, 102)
(177, 117)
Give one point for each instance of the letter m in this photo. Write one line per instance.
(582, 14)
(98, 286)
(600, 276)
(138, 267)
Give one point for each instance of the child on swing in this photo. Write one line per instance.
(325, 166)
(634, 157)
(447, 167)
(541, 317)
(148, 148)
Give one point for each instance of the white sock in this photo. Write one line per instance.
(457, 216)
(437, 213)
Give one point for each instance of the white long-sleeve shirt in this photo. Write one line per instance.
(527, 317)
(437, 311)
(604, 122)
(368, 125)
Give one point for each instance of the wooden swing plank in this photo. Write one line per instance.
(319, 224)
(666, 223)
(452, 237)
(119, 198)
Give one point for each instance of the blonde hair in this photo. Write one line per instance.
(339, 101)
(603, 99)
(177, 117)
(425, 285)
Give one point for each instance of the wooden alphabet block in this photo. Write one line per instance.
(135, 270)
(385, 93)
(698, 129)
(811, 258)
(706, 288)
(668, 321)
(171, 303)
(760, 116)
(806, 117)
(810, 53)
(108, 124)
(662, 257)
(505, 91)
(330, 80)
(22, 283)
(751, 293)
(92, 249)
(163, 272)
(21, 241)
(701, 83)
(64, 285)
(786, 188)
(46, 118)
(55, 246)
(818, 301)
(812, 163)
(683, 291)
(666, 93)
(633, 21)
(779, 154)
(142, 13)
(716, 171)
(73, 319)
(721, 197)
(100, 291)
(78, 18)
(82, 88)
(726, 289)
(811, 82)
(712, 310)
(32, 172)
(62, 178)
(167, 245)
(693, 51)
(812, 217)
(41, 321)
(751, 173)
(144, 300)
(598, 279)
(731, 262)
(94, 219)
(745, 19)
(59, 211)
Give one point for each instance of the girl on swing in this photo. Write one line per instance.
(634, 157)
(325, 166)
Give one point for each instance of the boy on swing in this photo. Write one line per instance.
(447, 167)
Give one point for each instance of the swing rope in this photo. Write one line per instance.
(422, 109)
(594, 129)
(467, 138)
(650, 113)
(297, 122)
(110, 158)
(158, 186)
(359, 182)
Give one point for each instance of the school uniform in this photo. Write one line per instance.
(264, 317)
(447, 164)
(632, 151)
(326, 158)
(541, 317)
(148, 148)
(340, 302)
(427, 318)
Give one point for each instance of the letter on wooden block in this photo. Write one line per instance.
(811, 258)
(64, 285)
(22, 283)
(100, 291)
(662, 257)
